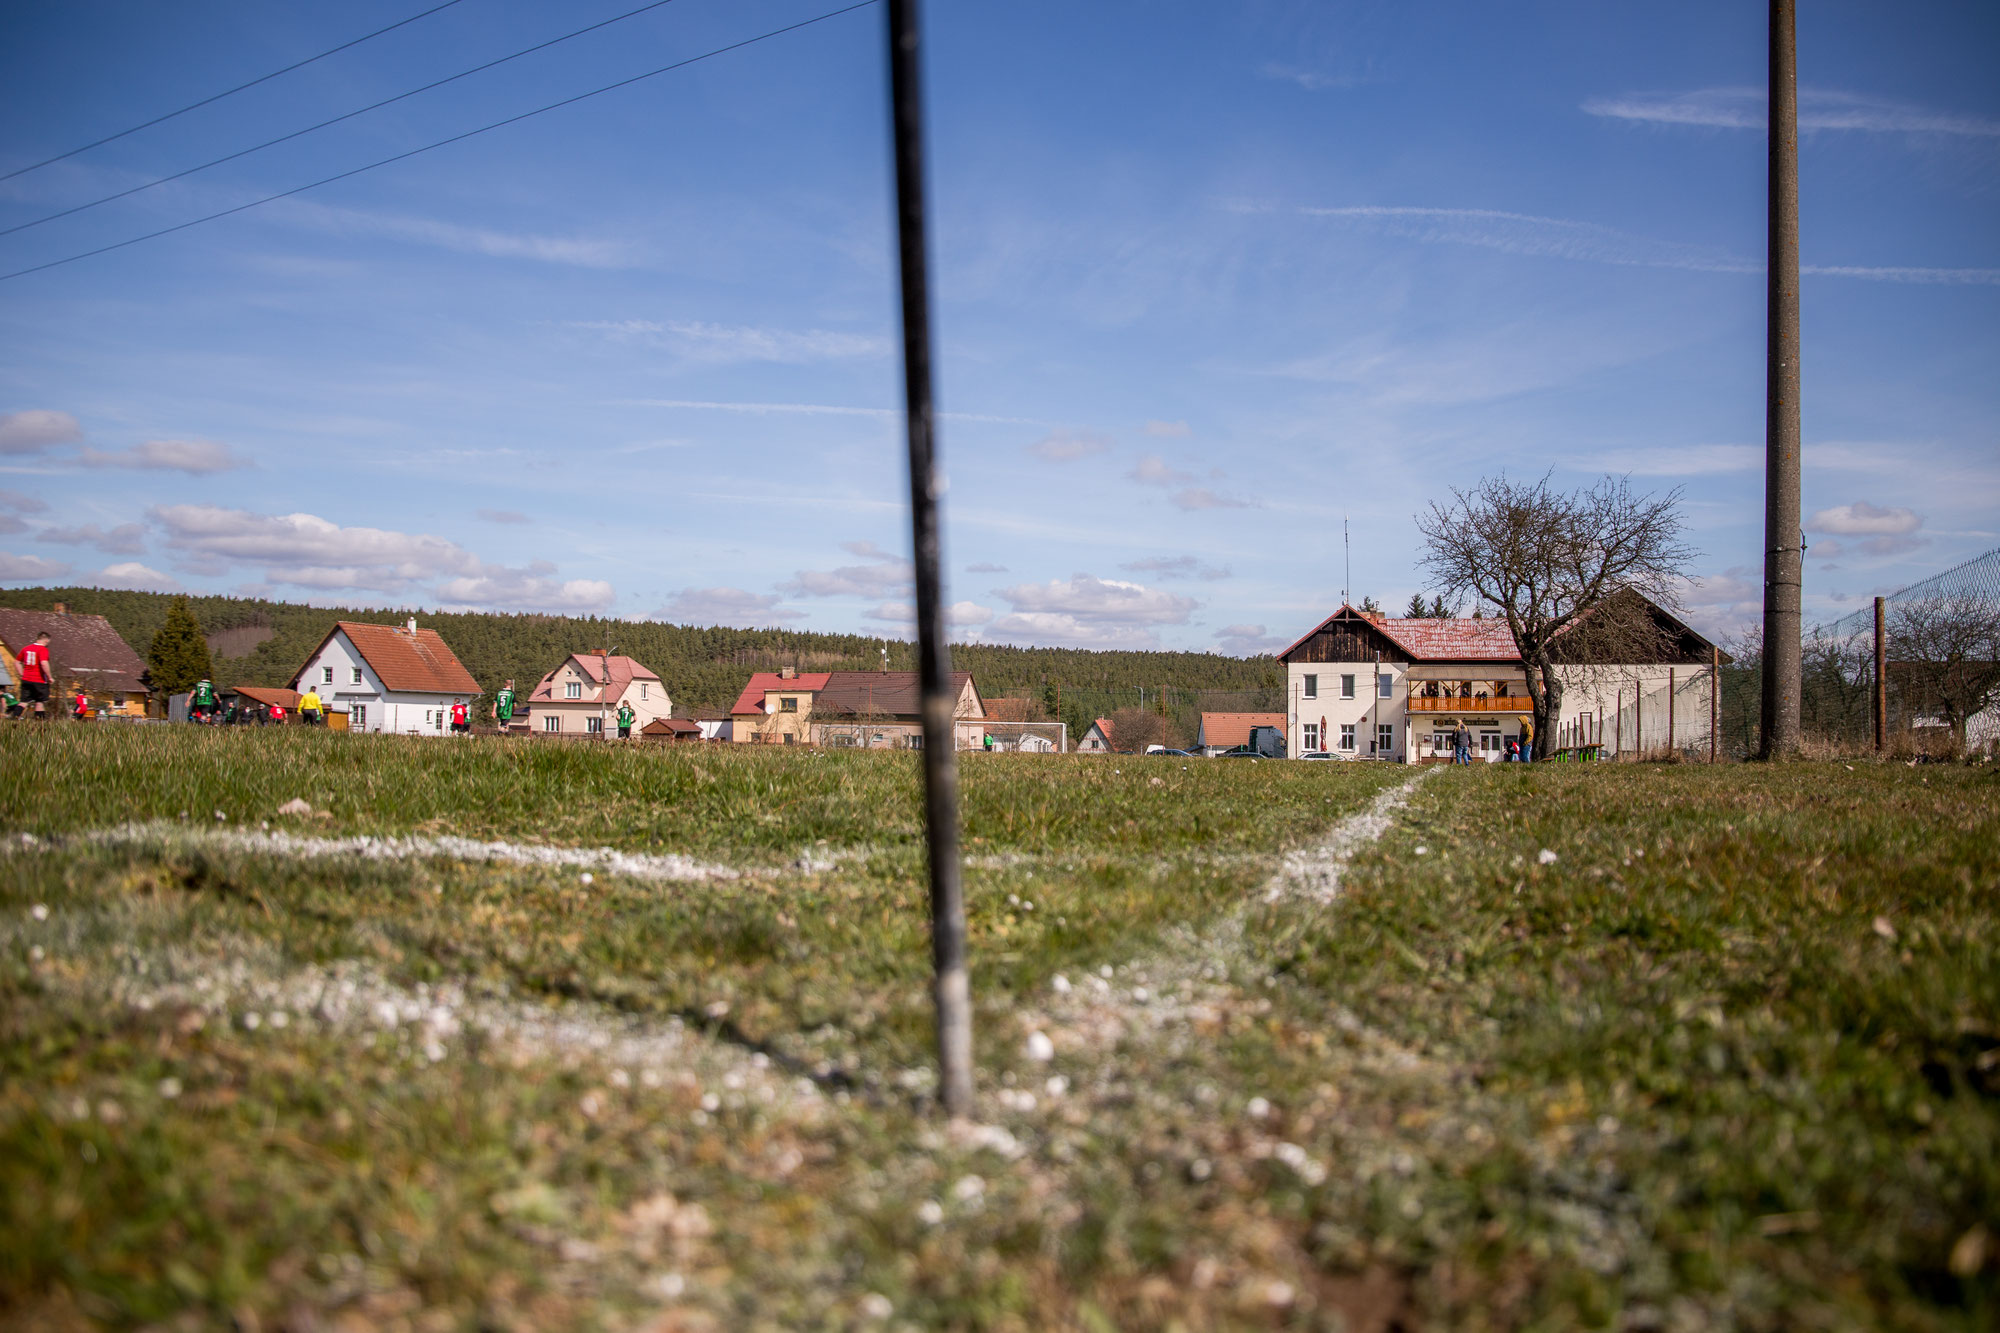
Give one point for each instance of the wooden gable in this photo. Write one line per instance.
(1345, 638)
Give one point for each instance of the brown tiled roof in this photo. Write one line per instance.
(670, 726)
(622, 671)
(404, 662)
(1011, 710)
(877, 693)
(1233, 729)
(259, 694)
(85, 648)
(752, 698)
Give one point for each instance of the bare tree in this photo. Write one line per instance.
(1945, 656)
(1548, 560)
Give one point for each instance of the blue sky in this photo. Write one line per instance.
(1209, 279)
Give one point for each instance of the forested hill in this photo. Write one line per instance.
(257, 642)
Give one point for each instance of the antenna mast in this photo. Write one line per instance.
(1346, 563)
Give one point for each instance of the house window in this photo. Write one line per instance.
(788, 704)
(791, 738)
(573, 690)
(1385, 738)
(1385, 686)
(326, 675)
(1312, 687)
(552, 722)
(1347, 736)
(1312, 732)
(357, 717)
(354, 675)
(1489, 742)
(915, 740)
(642, 689)
(1347, 687)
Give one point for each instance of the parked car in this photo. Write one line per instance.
(1326, 754)
(1172, 754)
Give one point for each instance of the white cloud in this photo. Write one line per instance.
(1247, 640)
(125, 539)
(1587, 242)
(888, 577)
(1200, 497)
(532, 588)
(724, 606)
(986, 567)
(196, 456)
(32, 431)
(1153, 470)
(956, 615)
(130, 574)
(578, 252)
(1176, 567)
(1168, 429)
(1862, 519)
(23, 504)
(1065, 631)
(1819, 109)
(1724, 606)
(502, 516)
(1311, 80)
(1092, 600)
(9, 525)
(1066, 446)
(722, 343)
(31, 567)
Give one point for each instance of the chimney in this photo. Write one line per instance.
(788, 673)
(61, 608)
(411, 625)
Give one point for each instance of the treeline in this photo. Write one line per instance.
(258, 642)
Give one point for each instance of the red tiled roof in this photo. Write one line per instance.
(1103, 725)
(259, 694)
(595, 667)
(670, 726)
(752, 698)
(1486, 640)
(405, 662)
(84, 648)
(1454, 640)
(1232, 729)
(879, 693)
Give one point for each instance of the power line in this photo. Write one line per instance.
(341, 176)
(227, 92)
(349, 115)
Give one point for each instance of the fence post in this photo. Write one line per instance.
(1881, 683)
(1639, 718)
(1714, 693)
(1673, 738)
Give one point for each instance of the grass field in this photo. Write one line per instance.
(1729, 1059)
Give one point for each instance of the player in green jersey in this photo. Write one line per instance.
(625, 719)
(503, 705)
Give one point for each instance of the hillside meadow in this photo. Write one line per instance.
(509, 1034)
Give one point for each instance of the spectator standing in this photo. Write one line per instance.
(36, 674)
(625, 719)
(277, 713)
(1461, 745)
(311, 711)
(503, 706)
(461, 720)
(1527, 740)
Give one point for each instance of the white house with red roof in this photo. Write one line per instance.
(1096, 738)
(1365, 685)
(388, 678)
(581, 696)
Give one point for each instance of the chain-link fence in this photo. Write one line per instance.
(1939, 683)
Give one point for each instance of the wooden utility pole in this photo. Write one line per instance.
(1784, 554)
(952, 984)
(1881, 681)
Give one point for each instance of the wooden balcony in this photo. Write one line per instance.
(1424, 703)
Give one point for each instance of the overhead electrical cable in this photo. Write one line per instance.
(227, 92)
(383, 162)
(349, 115)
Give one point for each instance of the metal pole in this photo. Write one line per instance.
(1784, 559)
(1638, 719)
(1673, 741)
(952, 985)
(1881, 682)
(1714, 718)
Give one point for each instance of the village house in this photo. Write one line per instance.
(1364, 685)
(393, 679)
(1096, 738)
(581, 697)
(875, 710)
(86, 653)
(1226, 731)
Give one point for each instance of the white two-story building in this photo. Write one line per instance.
(388, 678)
(1365, 685)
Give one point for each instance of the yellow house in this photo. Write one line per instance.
(86, 653)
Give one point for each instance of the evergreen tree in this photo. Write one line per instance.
(1439, 611)
(1415, 610)
(1368, 604)
(179, 655)
(1050, 703)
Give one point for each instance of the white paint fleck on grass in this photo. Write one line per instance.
(1314, 872)
(667, 866)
